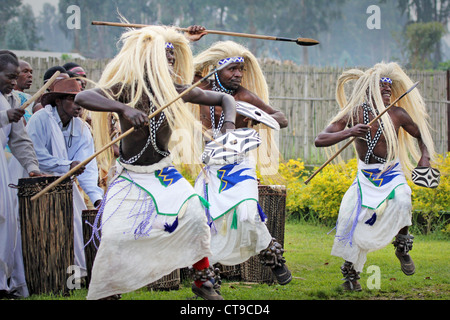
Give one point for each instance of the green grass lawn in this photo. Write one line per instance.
(317, 276)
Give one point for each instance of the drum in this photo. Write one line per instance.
(91, 241)
(168, 282)
(272, 199)
(47, 234)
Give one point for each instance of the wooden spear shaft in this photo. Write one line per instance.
(299, 41)
(123, 135)
(353, 139)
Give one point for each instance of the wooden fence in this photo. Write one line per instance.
(307, 96)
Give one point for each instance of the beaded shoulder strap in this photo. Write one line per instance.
(153, 127)
(371, 143)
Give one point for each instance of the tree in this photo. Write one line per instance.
(8, 11)
(15, 38)
(422, 38)
(422, 11)
(51, 36)
(27, 21)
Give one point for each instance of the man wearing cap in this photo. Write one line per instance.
(12, 132)
(377, 206)
(62, 140)
(238, 222)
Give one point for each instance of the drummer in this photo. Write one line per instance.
(238, 229)
(12, 131)
(62, 140)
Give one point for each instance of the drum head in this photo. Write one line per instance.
(231, 145)
(252, 112)
(426, 177)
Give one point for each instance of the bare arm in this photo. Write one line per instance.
(212, 98)
(337, 132)
(95, 100)
(411, 127)
(253, 99)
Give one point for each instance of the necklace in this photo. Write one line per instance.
(153, 127)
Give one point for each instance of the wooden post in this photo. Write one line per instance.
(448, 110)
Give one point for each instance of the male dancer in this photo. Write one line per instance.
(238, 230)
(377, 206)
(152, 220)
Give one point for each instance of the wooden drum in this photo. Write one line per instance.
(272, 199)
(91, 242)
(47, 234)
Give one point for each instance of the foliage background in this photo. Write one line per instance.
(320, 199)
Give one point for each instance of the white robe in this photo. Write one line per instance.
(135, 248)
(12, 276)
(238, 231)
(58, 150)
(372, 213)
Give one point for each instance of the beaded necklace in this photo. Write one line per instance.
(371, 143)
(153, 128)
(218, 87)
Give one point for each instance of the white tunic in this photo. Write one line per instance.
(55, 154)
(12, 277)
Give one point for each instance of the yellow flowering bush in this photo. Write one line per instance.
(321, 197)
(323, 193)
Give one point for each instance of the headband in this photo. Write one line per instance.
(169, 45)
(386, 79)
(232, 59)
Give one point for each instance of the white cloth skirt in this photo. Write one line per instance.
(365, 237)
(237, 229)
(126, 262)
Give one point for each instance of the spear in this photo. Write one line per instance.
(299, 41)
(123, 135)
(353, 139)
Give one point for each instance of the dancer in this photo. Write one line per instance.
(152, 221)
(377, 206)
(238, 228)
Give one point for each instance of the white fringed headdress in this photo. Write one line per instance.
(141, 70)
(367, 84)
(253, 80)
